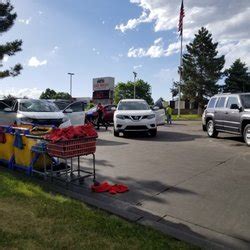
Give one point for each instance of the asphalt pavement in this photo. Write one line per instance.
(183, 178)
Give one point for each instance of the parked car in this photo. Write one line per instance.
(134, 115)
(228, 113)
(31, 111)
(92, 115)
(73, 110)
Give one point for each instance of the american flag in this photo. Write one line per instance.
(182, 14)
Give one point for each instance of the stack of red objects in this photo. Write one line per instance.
(106, 187)
(71, 132)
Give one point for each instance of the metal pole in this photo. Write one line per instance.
(135, 74)
(180, 71)
(71, 75)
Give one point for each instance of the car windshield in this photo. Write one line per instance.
(37, 106)
(61, 104)
(245, 99)
(133, 106)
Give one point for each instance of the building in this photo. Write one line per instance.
(103, 90)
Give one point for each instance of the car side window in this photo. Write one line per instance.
(212, 102)
(232, 100)
(77, 107)
(3, 106)
(15, 106)
(221, 102)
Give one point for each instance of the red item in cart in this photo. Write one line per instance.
(71, 132)
(112, 189)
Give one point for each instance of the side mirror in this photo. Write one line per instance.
(67, 111)
(155, 108)
(236, 106)
(8, 110)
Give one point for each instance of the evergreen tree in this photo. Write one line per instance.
(7, 19)
(52, 94)
(237, 78)
(201, 68)
(126, 91)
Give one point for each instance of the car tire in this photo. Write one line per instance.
(116, 133)
(153, 132)
(246, 135)
(204, 128)
(211, 131)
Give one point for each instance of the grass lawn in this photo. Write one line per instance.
(31, 218)
(189, 117)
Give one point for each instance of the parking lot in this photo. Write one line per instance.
(183, 176)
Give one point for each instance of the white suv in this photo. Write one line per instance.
(134, 115)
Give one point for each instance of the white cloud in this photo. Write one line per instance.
(55, 49)
(34, 62)
(5, 58)
(137, 67)
(103, 22)
(40, 12)
(29, 92)
(156, 50)
(227, 20)
(25, 21)
(96, 51)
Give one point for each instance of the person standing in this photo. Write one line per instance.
(169, 115)
(100, 120)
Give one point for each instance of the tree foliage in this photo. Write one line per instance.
(126, 91)
(202, 68)
(237, 78)
(52, 94)
(7, 19)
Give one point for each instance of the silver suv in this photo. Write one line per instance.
(228, 113)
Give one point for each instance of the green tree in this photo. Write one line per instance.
(237, 78)
(48, 94)
(63, 95)
(202, 68)
(52, 94)
(7, 19)
(126, 91)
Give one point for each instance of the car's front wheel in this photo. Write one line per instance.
(246, 134)
(153, 132)
(211, 131)
(116, 133)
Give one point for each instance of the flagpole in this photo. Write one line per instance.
(182, 14)
(180, 72)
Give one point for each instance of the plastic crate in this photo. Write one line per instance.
(72, 148)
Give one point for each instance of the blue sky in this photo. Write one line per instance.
(94, 38)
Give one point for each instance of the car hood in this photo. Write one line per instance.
(42, 115)
(134, 112)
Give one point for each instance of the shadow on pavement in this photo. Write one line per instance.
(102, 142)
(164, 136)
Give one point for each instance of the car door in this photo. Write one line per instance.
(109, 113)
(77, 116)
(6, 118)
(160, 116)
(219, 113)
(232, 114)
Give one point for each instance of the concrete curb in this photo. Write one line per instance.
(182, 230)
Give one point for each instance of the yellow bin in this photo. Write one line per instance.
(24, 157)
(7, 149)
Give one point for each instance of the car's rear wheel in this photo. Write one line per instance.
(153, 132)
(246, 134)
(211, 131)
(116, 133)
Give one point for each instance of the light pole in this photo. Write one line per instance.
(135, 74)
(70, 75)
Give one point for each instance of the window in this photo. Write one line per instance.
(221, 102)
(3, 106)
(232, 100)
(77, 107)
(133, 105)
(212, 103)
(245, 99)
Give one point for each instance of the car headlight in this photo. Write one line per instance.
(65, 119)
(120, 117)
(151, 116)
